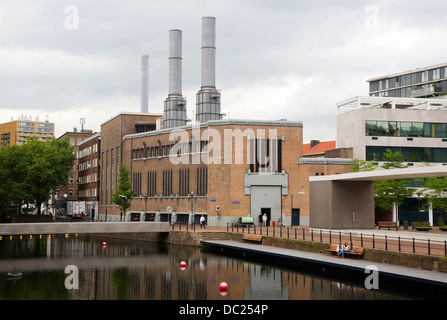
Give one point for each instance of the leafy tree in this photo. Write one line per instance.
(48, 167)
(124, 193)
(388, 192)
(362, 165)
(434, 192)
(29, 172)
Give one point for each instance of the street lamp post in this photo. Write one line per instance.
(192, 205)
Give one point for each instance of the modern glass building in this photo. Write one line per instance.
(417, 127)
(419, 83)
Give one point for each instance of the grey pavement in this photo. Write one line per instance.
(326, 258)
(408, 234)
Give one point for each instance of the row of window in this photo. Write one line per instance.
(165, 150)
(405, 129)
(32, 129)
(87, 151)
(409, 154)
(88, 178)
(413, 78)
(88, 164)
(86, 193)
(182, 188)
(31, 124)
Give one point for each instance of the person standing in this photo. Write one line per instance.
(264, 219)
(202, 222)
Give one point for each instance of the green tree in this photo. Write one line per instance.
(124, 193)
(48, 167)
(362, 165)
(389, 192)
(434, 193)
(29, 172)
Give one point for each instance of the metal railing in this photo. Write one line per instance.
(381, 242)
(374, 241)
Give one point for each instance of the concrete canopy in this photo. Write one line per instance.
(347, 200)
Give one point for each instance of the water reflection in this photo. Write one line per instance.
(133, 271)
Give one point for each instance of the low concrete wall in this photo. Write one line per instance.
(419, 261)
(12, 229)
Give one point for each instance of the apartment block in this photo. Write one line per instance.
(16, 132)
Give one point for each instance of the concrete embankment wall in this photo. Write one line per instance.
(419, 261)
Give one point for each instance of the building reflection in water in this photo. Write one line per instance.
(141, 270)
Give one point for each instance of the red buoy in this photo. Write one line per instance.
(182, 265)
(223, 288)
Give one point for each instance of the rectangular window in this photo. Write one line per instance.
(202, 181)
(382, 128)
(436, 74)
(370, 128)
(405, 129)
(136, 182)
(440, 130)
(392, 128)
(167, 182)
(183, 182)
(151, 183)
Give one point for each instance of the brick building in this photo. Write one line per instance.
(111, 155)
(88, 175)
(222, 169)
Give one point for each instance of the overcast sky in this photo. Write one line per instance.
(275, 58)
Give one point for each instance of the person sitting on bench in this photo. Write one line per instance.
(342, 251)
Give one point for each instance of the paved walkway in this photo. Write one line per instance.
(330, 260)
(431, 242)
(420, 283)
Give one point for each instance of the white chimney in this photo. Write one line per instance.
(174, 113)
(144, 83)
(208, 98)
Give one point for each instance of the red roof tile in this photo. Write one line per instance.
(320, 148)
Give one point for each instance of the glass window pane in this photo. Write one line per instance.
(382, 128)
(417, 129)
(392, 128)
(405, 129)
(440, 130)
(415, 155)
(372, 153)
(370, 128)
(427, 129)
(440, 155)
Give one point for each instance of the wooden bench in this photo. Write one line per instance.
(252, 237)
(387, 224)
(358, 251)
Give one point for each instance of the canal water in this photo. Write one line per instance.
(87, 268)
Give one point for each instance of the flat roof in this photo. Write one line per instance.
(359, 102)
(386, 174)
(133, 114)
(408, 72)
(216, 123)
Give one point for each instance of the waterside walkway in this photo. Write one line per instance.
(414, 282)
(419, 242)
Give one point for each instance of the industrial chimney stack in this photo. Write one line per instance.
(208, 98)
(144, 83)
(174, 114)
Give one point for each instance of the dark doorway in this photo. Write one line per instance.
(268, 213)
(295, 217)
